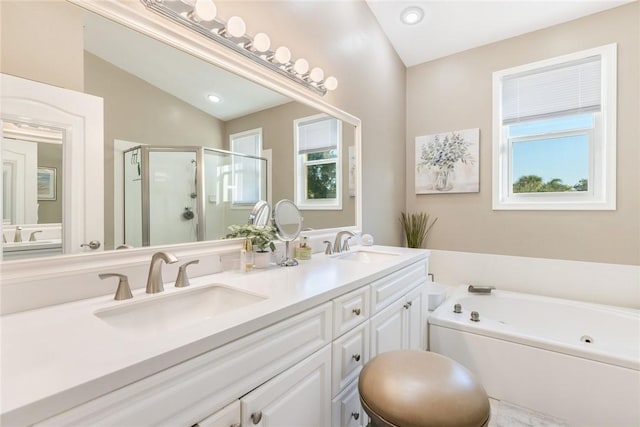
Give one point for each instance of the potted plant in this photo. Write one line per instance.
(416, 228)
(261, 238)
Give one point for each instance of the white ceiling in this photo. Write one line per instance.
(451, 26)
(175, 72)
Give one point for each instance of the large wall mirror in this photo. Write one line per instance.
(158, 98)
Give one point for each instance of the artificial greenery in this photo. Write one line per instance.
(416, 228)
(261, 237)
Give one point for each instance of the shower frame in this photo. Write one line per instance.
(145, 150)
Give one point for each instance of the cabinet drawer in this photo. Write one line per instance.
(350, 353)
(229, 416)
(388, 289)
(346, 410)
(189, 392)
(350, 310)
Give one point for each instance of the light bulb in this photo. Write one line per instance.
(282, 55)
(412, 15)
(316, 74)
(301, 66)
(261, 42)
(331, 83)
(236, 26)
(214, 98)
(204, 10)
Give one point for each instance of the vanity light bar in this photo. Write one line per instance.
(200, 16)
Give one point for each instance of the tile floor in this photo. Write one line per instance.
(505, 414)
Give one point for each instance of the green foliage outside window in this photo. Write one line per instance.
(535, 184)
(321, 181)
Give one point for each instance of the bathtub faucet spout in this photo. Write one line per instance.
(480, 289)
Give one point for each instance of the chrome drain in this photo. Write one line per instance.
(587, 339)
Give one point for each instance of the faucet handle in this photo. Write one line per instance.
(182, 281)
(17, 237)
(329, 249)
(32, 237)
(345, 245)
(124, 290)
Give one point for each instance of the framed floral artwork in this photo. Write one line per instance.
(448, 162)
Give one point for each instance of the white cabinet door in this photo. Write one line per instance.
(402, 325)
(417, 319)
(388, 329)
(298, 397)
(229, 416)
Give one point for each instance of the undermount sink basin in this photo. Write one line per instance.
(366, 256)
(176, 310)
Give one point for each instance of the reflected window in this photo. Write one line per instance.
(554, 139)
(246, 188)
(318, 162)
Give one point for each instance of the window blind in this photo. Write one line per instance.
(569, 88)
(248, 144)
(318, 135)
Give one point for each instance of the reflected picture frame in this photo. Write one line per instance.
(47, 183)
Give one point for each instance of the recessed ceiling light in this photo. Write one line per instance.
(214, 98)
(412, 15)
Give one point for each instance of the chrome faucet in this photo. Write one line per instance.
(32, 237)
(480, 289)
(17, 237)
(338, 246)
(154, 281)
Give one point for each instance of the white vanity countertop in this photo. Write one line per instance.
(60, 356)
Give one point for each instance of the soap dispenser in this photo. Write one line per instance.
(303, 251)
(246, 256)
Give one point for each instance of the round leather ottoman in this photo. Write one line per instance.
(421, 389)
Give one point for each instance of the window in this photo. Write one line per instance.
(555, 133)
(318, 179)
(246, 170)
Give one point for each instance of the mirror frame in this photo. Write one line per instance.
(135, 15)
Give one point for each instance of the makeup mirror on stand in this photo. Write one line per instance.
(288, 223)
(260, 214)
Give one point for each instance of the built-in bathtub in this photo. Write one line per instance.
(576, 361)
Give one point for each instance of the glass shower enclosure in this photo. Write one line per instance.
(178, 194)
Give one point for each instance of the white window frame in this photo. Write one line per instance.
(299, 177)
(232, 138)
(602, 145)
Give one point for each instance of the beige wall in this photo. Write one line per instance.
(50, 155)
(455, 93)
(344, 38)
(35, 49)
(277, 135)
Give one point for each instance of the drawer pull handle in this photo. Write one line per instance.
(355, 415)
(256, 417)
(406, 306)
(356, 357)
(356, 311)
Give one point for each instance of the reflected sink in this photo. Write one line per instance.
(366, 256)
(176, 310)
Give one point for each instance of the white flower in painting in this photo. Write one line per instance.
(446, 152)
